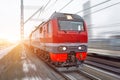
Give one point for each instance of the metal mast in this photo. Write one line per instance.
(22, 21)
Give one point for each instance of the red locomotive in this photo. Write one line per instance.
(62, 39)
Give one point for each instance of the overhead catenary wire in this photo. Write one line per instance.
(43, 8)
(33, 15)
(47, 4)
(49, 7)
(93, 6)
(102, 9)
(86, 8)
(53, 4)
(40, 9)
(65, 5)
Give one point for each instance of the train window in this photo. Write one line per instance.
(49, 28)
(40, 29)
(71, 25)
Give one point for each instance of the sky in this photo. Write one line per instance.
(9, 19)
(10, 15)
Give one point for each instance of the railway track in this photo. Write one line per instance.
(86, 72)
(100, 73)
(75, 75)
(79, 75)
(72, 73)
(110, 64)
(53, 68)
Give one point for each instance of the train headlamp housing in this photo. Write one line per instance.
(82, 48)
(62, 48)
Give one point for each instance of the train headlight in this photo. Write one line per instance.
(82, 47)
(62, 48)
(79, 47)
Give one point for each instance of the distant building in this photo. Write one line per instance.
(87, 18)
(102, 17)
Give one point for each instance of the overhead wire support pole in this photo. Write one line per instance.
(22, 21)
(22, 28)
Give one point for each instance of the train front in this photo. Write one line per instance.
(70, 37)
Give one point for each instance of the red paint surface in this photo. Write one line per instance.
(81, 55)
(57, 57)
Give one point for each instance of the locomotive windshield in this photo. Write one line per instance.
(71, 25)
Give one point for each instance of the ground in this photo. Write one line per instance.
(22, 64)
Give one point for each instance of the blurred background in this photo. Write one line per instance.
(101, 16)
(103, 22)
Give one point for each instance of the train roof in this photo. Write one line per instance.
(64, 15)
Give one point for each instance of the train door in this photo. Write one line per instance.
(47, 32)
(44, 36)
(49, 29)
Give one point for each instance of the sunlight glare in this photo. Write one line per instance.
(12, 39)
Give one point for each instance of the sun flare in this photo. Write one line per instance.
(12, 39)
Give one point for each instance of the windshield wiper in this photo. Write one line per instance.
(65, 31)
